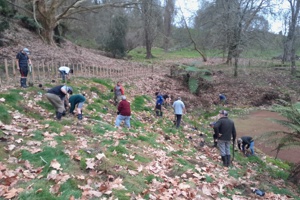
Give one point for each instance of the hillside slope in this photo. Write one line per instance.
(41, 158)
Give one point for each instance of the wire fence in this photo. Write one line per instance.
(42, 73)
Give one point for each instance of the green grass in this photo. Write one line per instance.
(5, 117)
(43, 193)
(139, 54)
(46, 105)
(48, 154)
(119, 149)
(105, 82)
(70, 188)
(139, 102)
(279, 163)
(54, 126)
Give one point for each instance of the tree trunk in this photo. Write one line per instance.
(168, 18)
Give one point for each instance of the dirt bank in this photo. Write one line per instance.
(257, 123)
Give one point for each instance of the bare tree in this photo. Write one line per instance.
(49, 13)
(228, 22)
(289, 42)
(168, 19)
(151, 15)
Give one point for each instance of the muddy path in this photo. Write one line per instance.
(259, 122)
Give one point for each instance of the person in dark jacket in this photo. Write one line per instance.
(225, 130)
(23, 62)
(124, 113)
(248, 142)
(167, 100)
(57, 97)
(78, 100)
(158, 104)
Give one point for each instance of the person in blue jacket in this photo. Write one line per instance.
(223, 99)
(159, 102)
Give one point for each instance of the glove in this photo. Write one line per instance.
(112, 90)
(118, 113)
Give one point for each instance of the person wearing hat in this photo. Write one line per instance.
(57, 97)
(248, 142)
(124, 113)
(215, 136)
(78, 100)
(23, 62)
(119, 92)
(179, 109)
(64, 71)
(225, 130)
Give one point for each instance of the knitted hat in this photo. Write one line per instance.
(26, 51)
(223, 112)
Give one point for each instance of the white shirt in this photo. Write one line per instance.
(64, 68)
(178, 107)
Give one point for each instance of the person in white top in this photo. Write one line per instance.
(179, 109)
(65, 71)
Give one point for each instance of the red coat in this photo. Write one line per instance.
(124, 108)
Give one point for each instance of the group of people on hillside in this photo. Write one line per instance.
(58, 96)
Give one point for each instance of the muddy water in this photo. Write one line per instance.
(257, 123)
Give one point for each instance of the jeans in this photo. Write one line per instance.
(224, 147)
(120, 118)
(178, 119)
(251, 147)
(63, 75)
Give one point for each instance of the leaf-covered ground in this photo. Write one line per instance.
(41, 158)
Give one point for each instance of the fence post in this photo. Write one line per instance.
(14, 71)
(43, 65)
(32, 74)
(38, 71)
(6, 71)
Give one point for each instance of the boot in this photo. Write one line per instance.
(157, 113)
(63, 113)
(24, 83)
(58, 115)
(21, 82)
(79, 116)
(228, 160)
(215, 144)
(224, 159)
(161, 113)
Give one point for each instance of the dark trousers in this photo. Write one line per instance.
(63, 75)
(178, 119)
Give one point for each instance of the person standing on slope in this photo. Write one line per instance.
(158, 104)
(225, 130)
(23, 62)
(119, 92)
(179, 110)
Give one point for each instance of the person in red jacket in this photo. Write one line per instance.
(124, 113)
